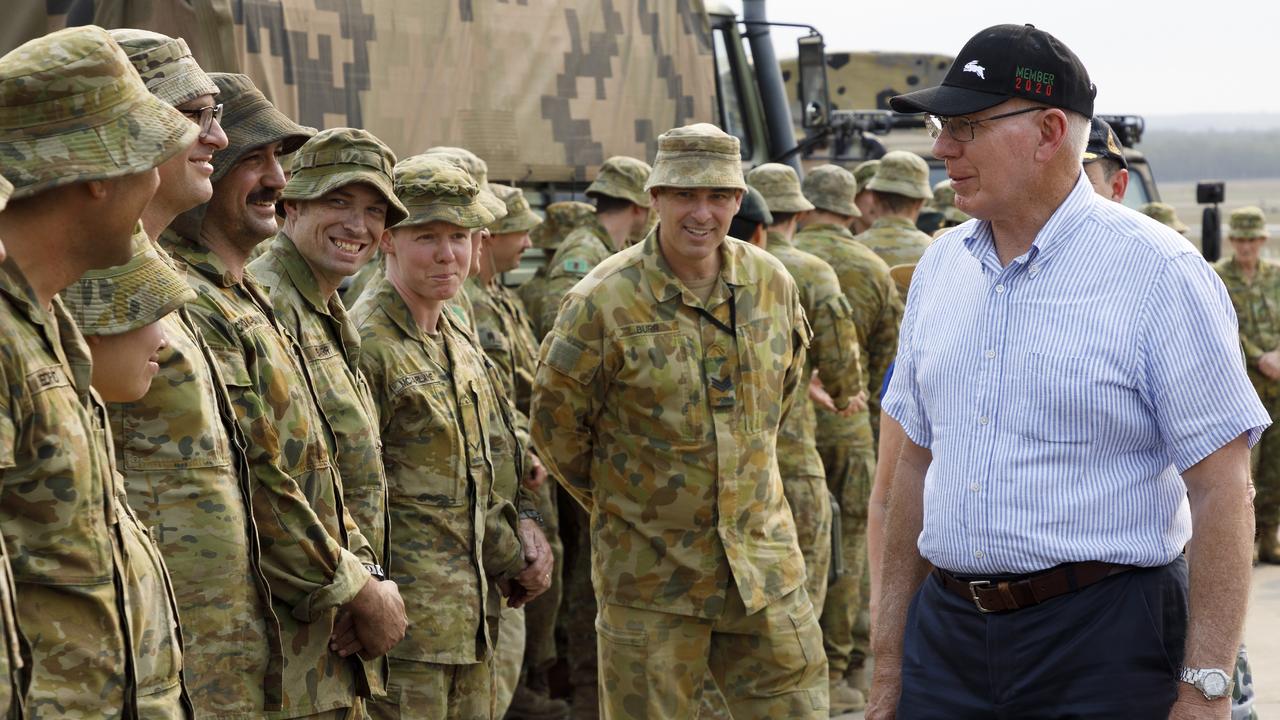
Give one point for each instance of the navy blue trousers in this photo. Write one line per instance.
(1111, 650)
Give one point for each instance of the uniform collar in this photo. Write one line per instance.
(388, 298)
(893, 221)
(841, 230)
(285, 253)
(199, 257)
(776, 239)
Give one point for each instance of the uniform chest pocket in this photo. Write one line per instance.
(423, 450)
(663, 396)
(764, 355)
(1057, 399)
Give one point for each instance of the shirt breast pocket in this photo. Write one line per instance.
(423, 452)
(1058, 398)
(663, 396)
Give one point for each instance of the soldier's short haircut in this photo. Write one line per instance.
(896, 203)
(607, 204)
(743, 228)
(781, 218)
(1109, 168)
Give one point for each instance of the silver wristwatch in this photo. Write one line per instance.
(1214, 683)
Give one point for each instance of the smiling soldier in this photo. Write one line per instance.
(657, 404)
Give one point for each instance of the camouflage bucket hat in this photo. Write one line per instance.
(944, 200)
(126, 297)
(562, 219)
(1247, 222)
(72, 109)
(6, 189)
(519, 218)
(433, 188)
(622, 177)
(1166, 215)
(864, 172)
(344, 156)
(165, 64)
(251, 121)
(478, 169)
(780, 187)
(697, 156)
(831, 188)
(902, 173)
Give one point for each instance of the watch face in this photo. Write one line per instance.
(1215, 684)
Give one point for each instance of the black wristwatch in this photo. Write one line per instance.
(376, 571)
(532, 514)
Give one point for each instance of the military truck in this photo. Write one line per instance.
(858, 125)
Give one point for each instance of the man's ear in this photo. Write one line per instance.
(1054, 130)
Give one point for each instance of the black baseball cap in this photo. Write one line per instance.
(754, 208)
(1005, 62)
(1103, 143)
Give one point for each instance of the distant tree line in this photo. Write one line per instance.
(1198, 155)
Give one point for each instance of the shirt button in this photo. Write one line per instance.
(1000, 288)
(1034, 269)
(990, 354)
(979, 554)
(983, 420)
(975, 487)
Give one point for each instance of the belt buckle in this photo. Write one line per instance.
(974, 586)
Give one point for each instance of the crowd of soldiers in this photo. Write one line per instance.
(278, 442)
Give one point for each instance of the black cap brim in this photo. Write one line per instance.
(946, 100)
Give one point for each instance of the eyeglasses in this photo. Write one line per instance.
(961, 128)
(205, 117)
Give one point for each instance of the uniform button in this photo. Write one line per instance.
(979, 554)
(984, 420)
(1000, 288)
(975, 487)
(990, 354)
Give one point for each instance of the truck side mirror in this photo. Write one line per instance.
(815, 104)
(1211, 193)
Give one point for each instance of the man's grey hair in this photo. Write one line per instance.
(1077, 134)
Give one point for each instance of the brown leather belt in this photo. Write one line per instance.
(1016, 593)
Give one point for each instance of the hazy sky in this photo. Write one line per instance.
(1145, 57)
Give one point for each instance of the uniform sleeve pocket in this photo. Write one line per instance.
(576, 362)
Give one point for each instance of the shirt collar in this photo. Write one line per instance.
(286, 254)
(777, 239)
(1062, 224)
(388, 298)
(662, 280)
(841, 230)
(199, 257)
(893, 221)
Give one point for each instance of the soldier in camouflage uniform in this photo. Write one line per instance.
(80, 137)
(13, 686)
(338, 202)
(847, 444)
(833, 353)
(622, 210)
(657, 405)
(862, 174)
(1254, 286)
(561, 219)
(453, 521)
(313, 554)
(898, 190)
(944, 201)
(506, 337)
(1105, 165)
(177, 446)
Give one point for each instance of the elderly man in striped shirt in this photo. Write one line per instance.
(1062, 443)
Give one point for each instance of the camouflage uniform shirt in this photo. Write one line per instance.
(90, 585)
(533, 295)
(896, 240)
(660, 414)
(877, 311)
(1257, 305)
(434, 414)
(834, 352)
(331, 345)
(184, 470)
(586, 247)
(307, 538)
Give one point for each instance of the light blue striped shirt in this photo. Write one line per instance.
(1063, 395)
